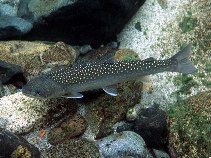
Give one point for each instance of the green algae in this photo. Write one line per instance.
(188, 23)
(21, 151)
(190, 130)
(206, 82)
(130, 57)
(185, 83)
(208, 67)
(127, 92)
(126, 54)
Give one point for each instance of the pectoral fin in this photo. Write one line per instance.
(74, 95)
(111, 90)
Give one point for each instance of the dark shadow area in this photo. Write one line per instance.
(93, 22)
(18, 80)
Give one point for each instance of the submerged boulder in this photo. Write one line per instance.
(21, 114)
(11, 73)
(15, 146)
(76, 22)
(74, 148)
(152, 127)
(37, 57)
(70, 128)
(122, 144)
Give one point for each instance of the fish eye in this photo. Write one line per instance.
(37, 92)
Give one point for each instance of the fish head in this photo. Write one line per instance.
(42, 87)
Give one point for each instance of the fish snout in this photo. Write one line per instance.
(31, 92)
(36, 93)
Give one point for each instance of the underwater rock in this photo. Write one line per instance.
(70, 128)
(13, 21)
(6, 90)
(85, 49)
(36, 57)
(18, 17)
(74, 148)
(93, 22)
(160, 154)
(13, 26)
(123, 126)
(8, 71)
(163, 4)
(15, 146)
(77, 22)
(21, 114)
(127, 143)
(41, 8)
(126, 54)
(100, 54)
(189, 124)
(152, 127)
(59, 54)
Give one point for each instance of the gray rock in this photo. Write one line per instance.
(127, 143)
(17, 16)
(85, 49)
(152, 127)
(6, 9)
(76, 22)
(7, 71)
(16, 146)
(20, 114)
(44, 8)
(160, 154)
(12, 26)
(123, 126)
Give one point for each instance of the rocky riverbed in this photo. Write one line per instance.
(161, 115)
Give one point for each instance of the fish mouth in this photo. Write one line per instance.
(33, 96)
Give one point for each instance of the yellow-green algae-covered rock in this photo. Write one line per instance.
(74, 148)
(20, 114)
(190, 126)
(70, 128)
(14, 146)
(21, 152)
(35, 57)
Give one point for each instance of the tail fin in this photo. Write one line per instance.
(184, 65)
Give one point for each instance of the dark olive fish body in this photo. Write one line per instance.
(71, 80)
(92, 76)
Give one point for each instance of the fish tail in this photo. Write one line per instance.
(184, 65)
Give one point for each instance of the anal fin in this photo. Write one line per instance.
(73, 95)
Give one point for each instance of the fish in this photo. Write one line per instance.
(69, 81)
